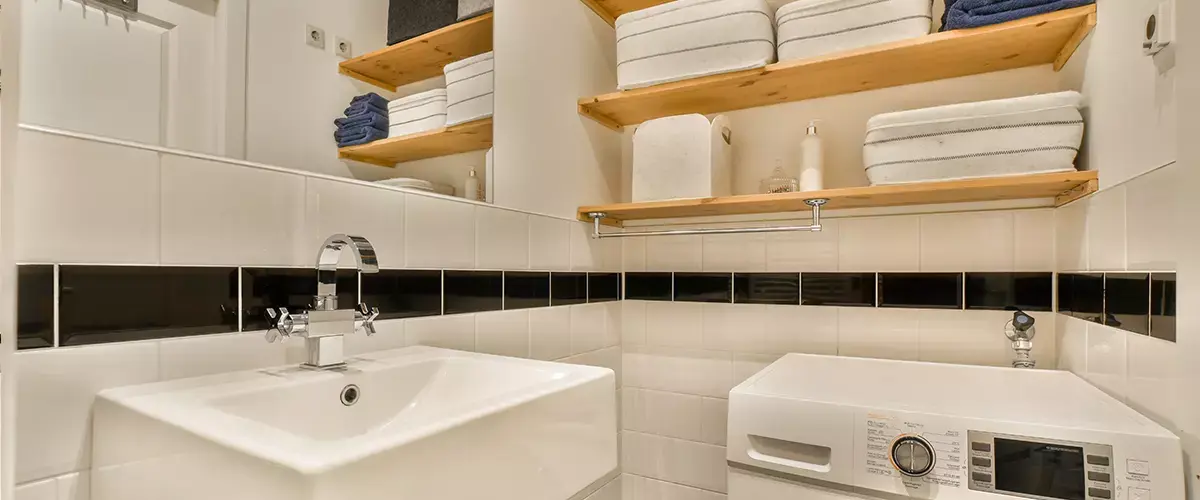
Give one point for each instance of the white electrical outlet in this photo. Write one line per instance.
(1160, 28)
(343, 48)
(315, 37)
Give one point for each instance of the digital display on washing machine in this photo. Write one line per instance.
(1040, 469)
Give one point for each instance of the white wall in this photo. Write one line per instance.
(147, 207)
(1141, 220)
(294, 91)
(549, 159)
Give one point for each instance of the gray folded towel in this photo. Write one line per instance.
(412, 18)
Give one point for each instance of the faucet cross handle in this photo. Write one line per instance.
(286, 325)
(367, 316)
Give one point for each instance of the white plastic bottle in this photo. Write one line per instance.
(812, 164)
(471, 187)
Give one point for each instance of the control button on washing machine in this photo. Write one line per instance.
(1139, 467)
(1099, 493)
(1097, 460)
(1103, 477)
(913, 456)
(981, 446)
(981, 462)
(1139, 493)
(981, 477)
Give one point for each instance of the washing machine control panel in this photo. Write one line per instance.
(1040, 468)
(913, 456)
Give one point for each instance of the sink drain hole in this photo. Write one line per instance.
(350, 395)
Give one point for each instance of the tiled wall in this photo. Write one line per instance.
(120, 205)
(696, 339)
(1124, 231)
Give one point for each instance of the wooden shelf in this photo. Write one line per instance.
(1061, 187)
(422, 57)
(1048, 38)
(470, 136)
(610, 10)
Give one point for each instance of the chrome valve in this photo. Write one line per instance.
(286, 324)
(364, 319)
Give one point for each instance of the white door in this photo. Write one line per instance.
(149, 77)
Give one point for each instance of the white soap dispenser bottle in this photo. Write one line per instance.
(812, 163)
(471, 187)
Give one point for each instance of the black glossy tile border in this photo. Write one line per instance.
(93, 302)
(1137, 302)
(648, 286)
(1002, 291)
(704, 287)
(766, 288)
(838, 289)
(921, 290)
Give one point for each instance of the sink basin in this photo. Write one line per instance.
(412, 423)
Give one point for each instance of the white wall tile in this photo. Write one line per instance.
(588, 328)
(75, 486)
(1106, 359)
(663, 413)
(675, 324)
(674, 253)
(679, 461)
(1155, 379)
(550, 333)
(644, 488)
(501, 239)
(1152, 216)
(804, 251)
(1070, 236)
(734, 252)
(217, 213)
(549, 243)
(878, 333)
(734, 327)
(344, 208)
(451, 332)
(1072, 344)
(633, 251)
(439, 233)
(604, 358)
(54, 401)
(389, 334)
(612, 490)
(589, 254)
(979, 241)
(505, 333)
(744, 366)
(210, 354)
(812, 330)
(83, 201)
(880, 244)
(1106, 230)
(633, 322)
(39, 490)
(714, 420)
(966, 337)
(1033, 240)
(686, 371)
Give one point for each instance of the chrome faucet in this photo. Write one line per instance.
(324, 327)
(1020, 331)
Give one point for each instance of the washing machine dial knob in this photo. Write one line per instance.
(913, 456)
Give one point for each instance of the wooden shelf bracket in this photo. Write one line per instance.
(815, 227)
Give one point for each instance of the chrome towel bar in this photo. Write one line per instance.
(815, 203)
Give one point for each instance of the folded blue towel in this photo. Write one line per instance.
(975, 13)
(373, 98)
(364, 107)
(363, 120)
(350, 132)
(369, 134)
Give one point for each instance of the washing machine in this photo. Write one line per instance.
(828, 428)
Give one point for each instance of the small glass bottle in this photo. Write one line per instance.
(779, 181)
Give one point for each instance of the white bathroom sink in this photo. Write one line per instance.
(427, 423)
